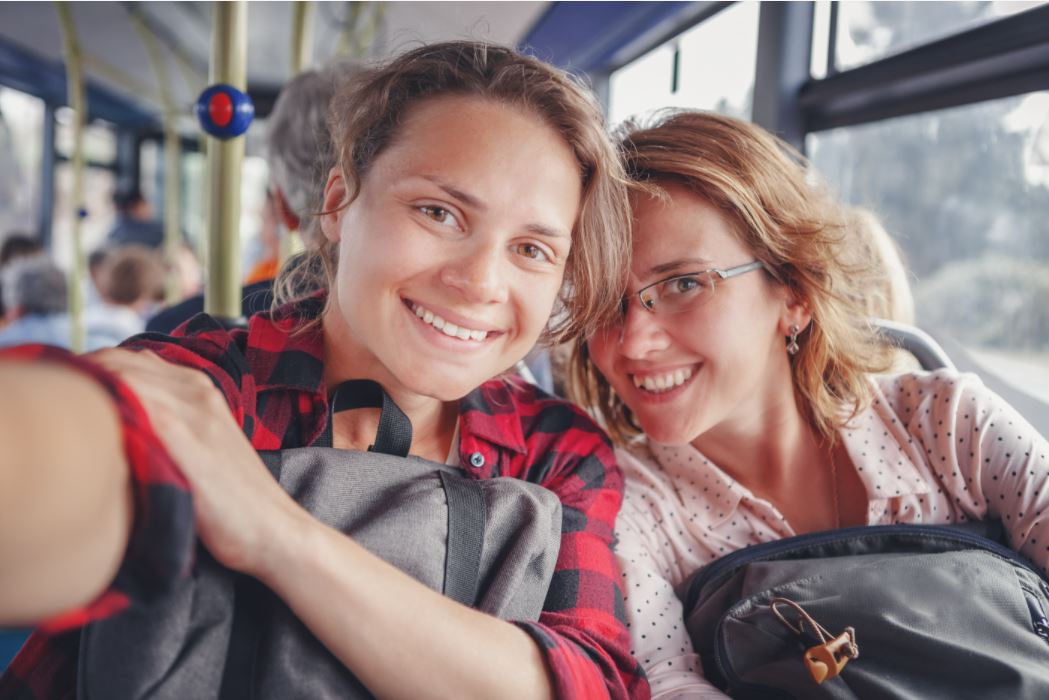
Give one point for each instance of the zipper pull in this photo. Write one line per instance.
(828, 658)
(825, 661)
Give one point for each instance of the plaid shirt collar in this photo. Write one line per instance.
(294, 361)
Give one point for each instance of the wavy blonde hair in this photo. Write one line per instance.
(368, 110)
(790, 223)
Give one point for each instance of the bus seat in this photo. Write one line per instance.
(915, 341)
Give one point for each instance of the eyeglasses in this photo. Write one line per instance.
(678, 293)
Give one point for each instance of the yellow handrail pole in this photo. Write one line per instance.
(228, 65)
(172, 155)
(301, 51)
(301, 36)
(78, 102)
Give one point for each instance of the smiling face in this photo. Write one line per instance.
(718, 364)
(452, 255)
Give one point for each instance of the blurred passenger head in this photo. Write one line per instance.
(34, 286)
(129, 202)
(95, 262)
(15, 246)
(18, 245)
(773, 208)
(368, 111)
(133, 276)
(888, 296)
(300, 148)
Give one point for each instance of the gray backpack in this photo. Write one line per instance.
(490, 544)
(886, 612)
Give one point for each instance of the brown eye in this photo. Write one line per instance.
(532, 251)
(440, 215)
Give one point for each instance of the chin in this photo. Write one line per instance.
(668, 432)
(442, 387)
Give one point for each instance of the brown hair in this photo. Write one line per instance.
(791, 225)
(131, 273)
(367, 111)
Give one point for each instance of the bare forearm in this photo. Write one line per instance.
(65, 500)
(372, 617)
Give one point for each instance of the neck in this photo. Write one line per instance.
(433, 421)
(764, 449)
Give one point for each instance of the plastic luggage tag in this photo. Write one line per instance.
(827, 659)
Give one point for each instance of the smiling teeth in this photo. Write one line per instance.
(447, 327)
(662, 382)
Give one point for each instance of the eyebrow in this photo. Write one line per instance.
(684, 262)
(455, 192)
(476, 203)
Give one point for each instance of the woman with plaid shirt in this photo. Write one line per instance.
(475, 191)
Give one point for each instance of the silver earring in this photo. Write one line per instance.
(792, 340)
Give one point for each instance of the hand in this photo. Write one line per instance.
(240, 509)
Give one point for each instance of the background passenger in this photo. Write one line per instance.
(887, 290)
(300, 157)
(476, 190)
(15, 245)
(36, 301)
(95, 262)
(739, 382)
(131, 283)
(136, 223)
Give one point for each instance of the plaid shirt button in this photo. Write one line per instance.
(477, 460)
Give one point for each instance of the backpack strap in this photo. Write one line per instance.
(394, 436)
(466, 524)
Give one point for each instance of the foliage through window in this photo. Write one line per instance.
(965, 192)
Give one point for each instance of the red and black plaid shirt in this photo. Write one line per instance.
(273, 381)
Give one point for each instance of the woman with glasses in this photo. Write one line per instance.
(740, 381)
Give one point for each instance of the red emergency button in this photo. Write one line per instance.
(220, 109)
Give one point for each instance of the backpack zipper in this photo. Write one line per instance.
(1038, 618)
(772, 550)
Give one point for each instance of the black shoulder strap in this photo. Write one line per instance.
(466, 525)
(394, 436)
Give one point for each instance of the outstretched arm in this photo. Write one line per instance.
(65, 493)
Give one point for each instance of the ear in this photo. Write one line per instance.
(334, 197)
(287, 217)
(795, 312)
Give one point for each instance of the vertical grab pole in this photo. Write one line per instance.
(78, 102)
(225, 157)
(301, 37)
(172, 155)
(301, 52)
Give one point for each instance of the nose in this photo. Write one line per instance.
(641, 332)
(478, 274)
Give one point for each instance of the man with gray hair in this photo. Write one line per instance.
(36, 299)
(300, 156)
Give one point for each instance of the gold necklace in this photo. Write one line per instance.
(834, 488)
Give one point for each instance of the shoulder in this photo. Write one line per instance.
(201, 342)
(538, 416)
(918, 397)
(549, 435)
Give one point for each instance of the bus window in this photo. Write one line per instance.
(966, 193)
(21, 144)
(715, 69)
(868, 31)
